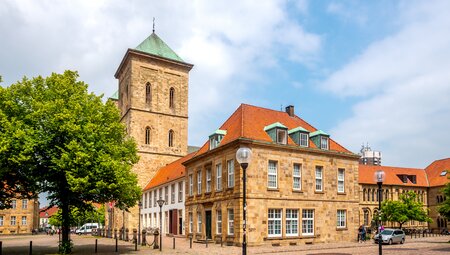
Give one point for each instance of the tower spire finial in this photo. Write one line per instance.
(153, 24)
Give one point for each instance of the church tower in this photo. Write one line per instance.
(153, 101)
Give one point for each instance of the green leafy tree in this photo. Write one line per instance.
(405, 209)
(55, 137)
(78, 217)
(444, 207)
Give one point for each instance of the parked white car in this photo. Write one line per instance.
(86, 228)
(391, 236)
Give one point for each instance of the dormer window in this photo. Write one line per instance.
(277, 132)
(300, 136)
(444, 173)
(216, 138)
(321, 139)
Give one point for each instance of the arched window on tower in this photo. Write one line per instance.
(147, 135)
(171, 97)
(148, 93)
(171, 138)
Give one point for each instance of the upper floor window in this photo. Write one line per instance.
(300, 136)
(272, 179)
(219, 177)
(172, 190)
(171, 134)
(297, 177)
(1, 220)
(191, 185)
(147, 135)
(148, 93)
(180, 192)
(199, 182)
(320, 139)
(319, 186)
(171, 97)
(166, 195)
(341, 180)
(216, 138)
(230, 169)
(208, 180)
(24, 203)
(13, 220)
(324, 143)
(13, 204)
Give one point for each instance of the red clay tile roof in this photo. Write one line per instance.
(169, 172)
(434, 171)
(248, 121)
(366, 173)
(43, 211)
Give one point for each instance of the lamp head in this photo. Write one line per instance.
(243, 155)
(379, 176)
(160, 202)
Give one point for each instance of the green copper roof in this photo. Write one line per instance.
(154, 45)
(115, 96)
(274, 125)
(219, 132)
(297, 129)
(318, 132)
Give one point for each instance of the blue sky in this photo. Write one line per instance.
(363, 71)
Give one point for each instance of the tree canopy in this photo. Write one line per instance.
(444, 207)
(78, 217)
(55, 137)
(405, 209)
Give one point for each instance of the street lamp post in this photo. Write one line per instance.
(139, 223)
(244, 156)
(160, 203)
(379, 177)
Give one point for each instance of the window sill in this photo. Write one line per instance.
(273, 189)
(342, 193)
(274, 238)
(297, 191)
(341, 229)
(270, 238)
(319, 192)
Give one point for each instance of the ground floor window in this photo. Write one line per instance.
(308, 222)
(274, 222)
(218, 221)
(191, 222)
(24, 220)
(199, 222)
(230, 222)
(291, 222)
(341, 218)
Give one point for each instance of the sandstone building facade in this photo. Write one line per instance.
(22, 218)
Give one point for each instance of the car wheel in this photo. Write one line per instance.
(402, 241)
(390, 241)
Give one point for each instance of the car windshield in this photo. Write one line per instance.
(386, 232)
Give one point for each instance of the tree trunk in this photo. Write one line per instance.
(401, 224)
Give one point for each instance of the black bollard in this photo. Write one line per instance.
(96, 245)
(116, 244)
(190, 242)
(31, 247)
(1, 247)
(174, 243)
(135, 245)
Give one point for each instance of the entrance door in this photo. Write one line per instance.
(180, 222)
(208, 224)
(174, 221)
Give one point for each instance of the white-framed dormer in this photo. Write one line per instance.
(300, 136)
(277, 132)
(320, 139)
(216, 138)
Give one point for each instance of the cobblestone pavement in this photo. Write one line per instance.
(43, 244)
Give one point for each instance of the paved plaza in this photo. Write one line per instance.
(43, 244)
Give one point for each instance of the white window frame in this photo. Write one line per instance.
(341, 180)
(341, 218)
(150, 199)
(13, 220)
(199, 182)
(24, 203)
(274, 220)
(208, 180)
(24, 220)
(172, 193)
(324, 142)
(297, 176)
(230, 170)
(230, 218)
(199, 222)
(319, 178)
(219, 222)
(180, 191)
(155, 198)
(272, 171)
(191, 222)
(191, 185)
(166, 195)
(219, 177)
(13, 204)
(304, 139)
(308, 222)
(1, 220)
(292, 222)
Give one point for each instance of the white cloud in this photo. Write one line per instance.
(350, 11)
(403, 83)
(229, 43)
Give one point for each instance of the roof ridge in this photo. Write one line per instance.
(396, 167)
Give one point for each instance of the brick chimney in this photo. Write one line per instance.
(290, 110)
